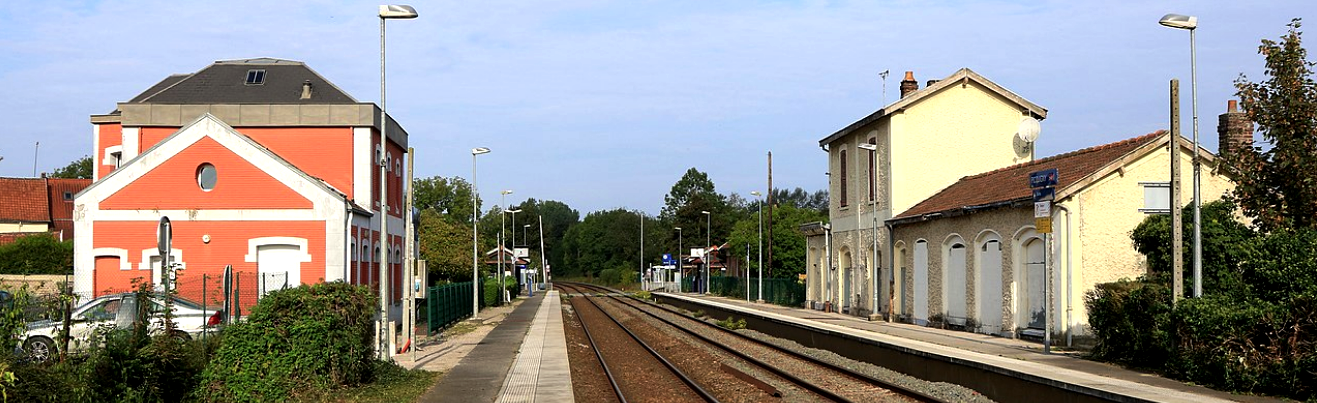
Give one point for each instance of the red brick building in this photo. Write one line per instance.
(37, 205)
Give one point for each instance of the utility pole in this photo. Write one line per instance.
(1177, 224)
(770, 214)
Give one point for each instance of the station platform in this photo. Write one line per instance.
(523, 359)
(989, 353)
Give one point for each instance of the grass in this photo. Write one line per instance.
(395, 384)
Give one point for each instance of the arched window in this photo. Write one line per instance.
(843, 178)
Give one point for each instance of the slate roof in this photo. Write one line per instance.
(224, 82)
(1010, 185)
(24, 200)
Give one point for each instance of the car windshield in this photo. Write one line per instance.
(187, 303)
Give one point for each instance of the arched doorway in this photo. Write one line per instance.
(1033, 285)
(844, 297)
(988, 290)
(953, 281)
(921, 282)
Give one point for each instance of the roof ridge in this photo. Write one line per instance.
(1133, 140)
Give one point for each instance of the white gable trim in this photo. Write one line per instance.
(122, 254)
(254, 243)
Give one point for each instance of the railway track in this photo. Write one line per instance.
(820, 379)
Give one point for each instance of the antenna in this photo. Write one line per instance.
(35, 152)
(884, 75)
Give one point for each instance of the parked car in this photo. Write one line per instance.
(191, 320)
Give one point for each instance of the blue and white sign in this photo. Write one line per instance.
(667, 259)
(1043, 178)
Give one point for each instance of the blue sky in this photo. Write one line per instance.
(604, 104)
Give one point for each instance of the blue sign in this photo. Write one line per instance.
(1044, 194)
(667, 259)
(1044, 178)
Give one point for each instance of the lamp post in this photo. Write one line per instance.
(642, 250)
(681, 263)
(759, 203)
(386, 12)
(502, 231)
(1191, 23)
(705, 257)
(475, 236)
(873, 211)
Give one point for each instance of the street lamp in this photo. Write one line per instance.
(387, 12)
(1191, 23)
(642, 250)
(475, 236)
(873, 210)
(705, 257)
(759, 203)
(681, 263)
(502, 237)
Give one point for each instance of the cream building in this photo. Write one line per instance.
(971, 257)
(923, 142)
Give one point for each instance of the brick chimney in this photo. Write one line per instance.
(1234, 130)
(306, 89)
(909, 85)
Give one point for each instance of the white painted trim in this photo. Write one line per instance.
(210, 215)
(122, 254)
(361, 152)
(105, 156)
(336, 241)
(95, 148)
(253, 243)
(131, 142)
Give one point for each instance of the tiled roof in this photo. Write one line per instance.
(1010, 184)
(23, 200)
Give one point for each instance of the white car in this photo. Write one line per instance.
(116, 311)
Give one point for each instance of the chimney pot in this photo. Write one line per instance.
(306, 89)
(909, 85)
(1232, 106)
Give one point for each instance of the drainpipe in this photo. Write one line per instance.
(827, 270)
(1069, 272)
(891, 264)
(347, 226)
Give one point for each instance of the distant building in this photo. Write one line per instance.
(37, 205)
(261, 164)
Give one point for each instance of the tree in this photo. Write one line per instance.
(445, 245)
(1277, 187)
(788, 242)
(78, 169)
(684, 205)
(444, 194)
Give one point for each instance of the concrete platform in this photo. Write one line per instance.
(523, 359)
(988, 352)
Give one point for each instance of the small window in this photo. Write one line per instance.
(256, 77)
(1156, 197)
(68, 196)
(206, 177)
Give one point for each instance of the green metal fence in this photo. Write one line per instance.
(777, 291)
(447, 304)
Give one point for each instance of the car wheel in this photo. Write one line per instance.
(39, 348)
(181, 337)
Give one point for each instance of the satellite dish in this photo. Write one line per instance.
(1029, 129)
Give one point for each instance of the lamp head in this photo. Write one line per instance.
(704, 212)
(397, 12)
(507, 192)
(755, 193)
(1179, 21)
(479, 150)
(868, 146)
(512, 211)
(677, 228)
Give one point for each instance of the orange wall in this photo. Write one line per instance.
(228, 246)
(239, 185)
(322, 152)
(394, 182)
(111, 134)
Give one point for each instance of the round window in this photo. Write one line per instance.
(206, 177)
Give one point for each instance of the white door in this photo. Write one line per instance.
(955, 289)
(279, 266)
(989, 296)
(1034, 284)
(921, 282)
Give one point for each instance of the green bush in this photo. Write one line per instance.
(36, 254)
(1130, 321)
(317, 336)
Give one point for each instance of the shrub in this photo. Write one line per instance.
(1130, 321)
(36, 254)
(317, 336)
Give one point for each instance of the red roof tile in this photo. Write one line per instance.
(1011, 183)
(23, 200)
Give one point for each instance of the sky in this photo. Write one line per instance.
(605, 104)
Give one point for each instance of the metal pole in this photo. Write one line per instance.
(681, 263)
(747, 273)
(502, 227)
(384, 213)
(544, 265)
(708, 242)
(475, 245)
(642, 250)
(409, 261)
(1177, 223)
(873, 210)
(1198, 197)
(1047, 297)
(760, 204)
(513, 266)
